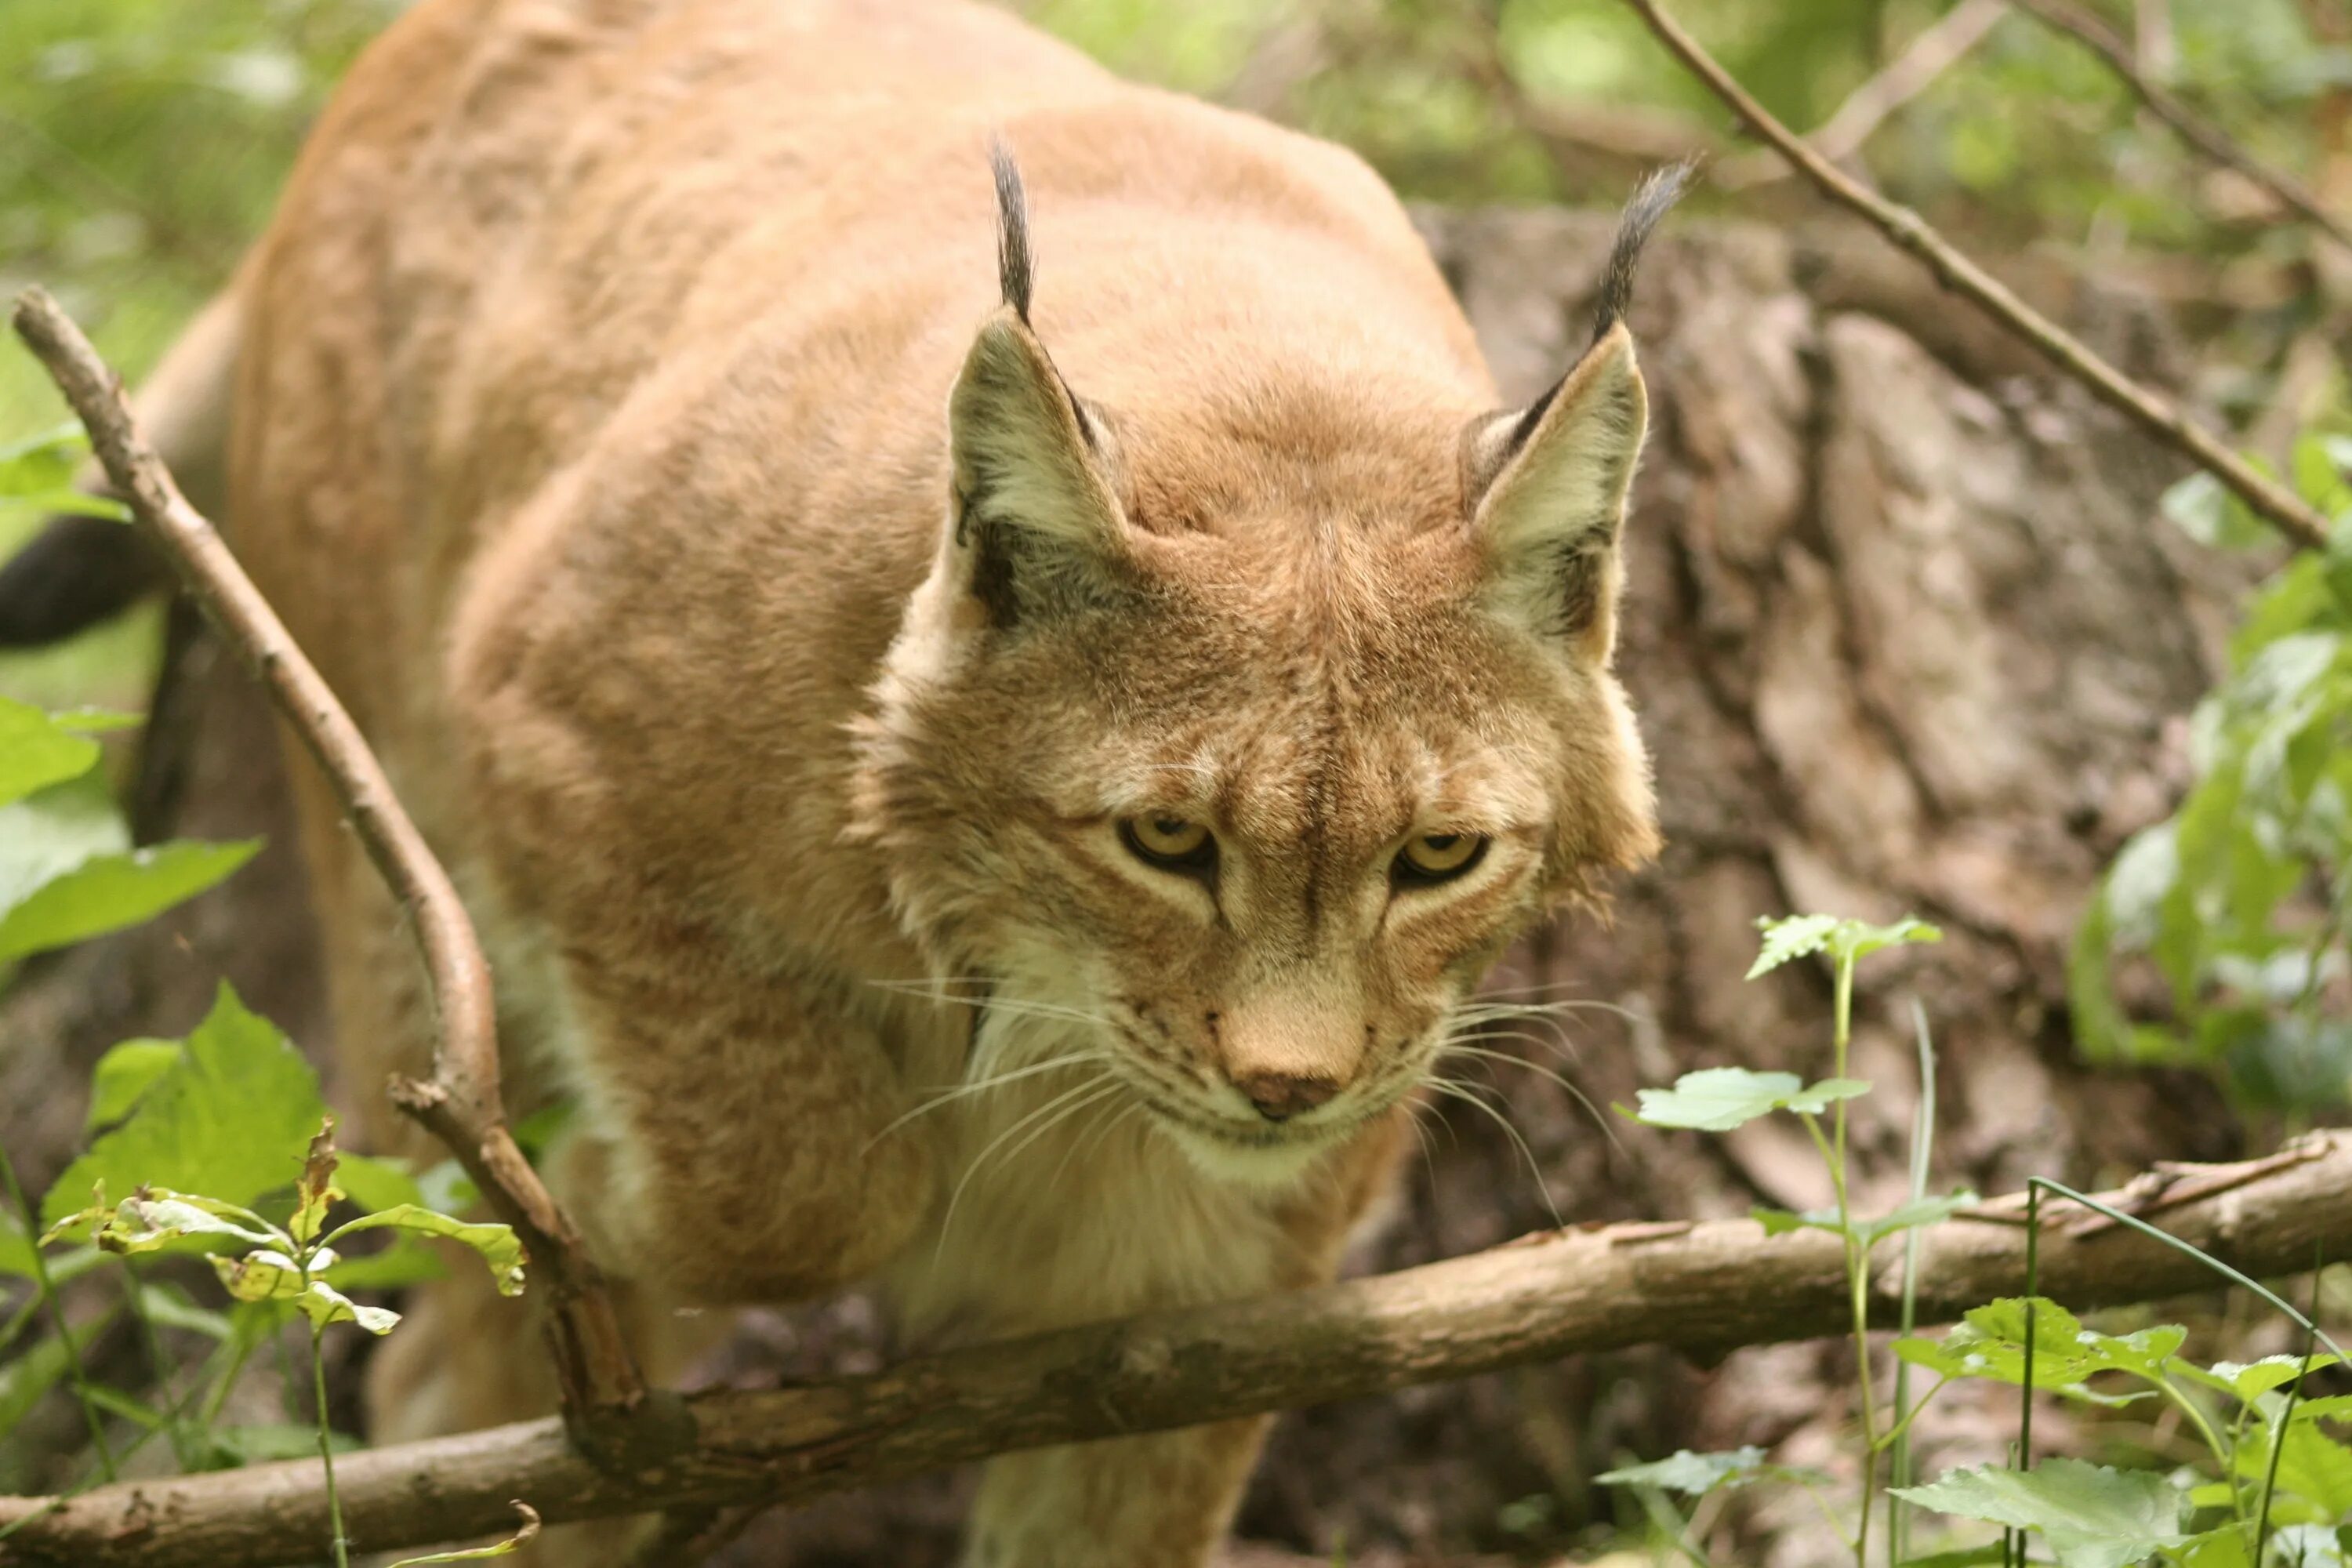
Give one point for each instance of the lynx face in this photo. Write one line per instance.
(1243, 740)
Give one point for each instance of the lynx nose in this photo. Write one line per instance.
(1281, 1096)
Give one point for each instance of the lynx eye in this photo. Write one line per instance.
(1438, 857)
(1170, 842)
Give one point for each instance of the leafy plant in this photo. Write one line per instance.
(2239, 899)
(1718, 1099)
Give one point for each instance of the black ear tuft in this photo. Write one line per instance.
(1651, 200)
(1013, 262)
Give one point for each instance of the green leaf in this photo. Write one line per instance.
(1790, 937)
(230, 1119)
(1990, 1343)
(122, 1075)
(1783, 1222)
(15, 1247)
(35, 752)
(266, 1441)
(153, 1219)
(315, 1191)
(323, 1304)
(106, 892)
(1717, 1099)
(2202, 508)
(265, 1274)
(499, 1247)
(1962, 1557)
(375, 1183)
(27, 1377)
(1854, 940)
(169, 1306)
(515, 1542)
(2314, 1471)
(85, 721)
(2092, 1516)
(1694, 1475)
(2250, 1381)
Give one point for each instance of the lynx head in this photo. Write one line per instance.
(1247, 733)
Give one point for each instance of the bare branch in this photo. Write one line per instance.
(1702, 1288)
(2116, 53)
(2269, 501)
(460, 1102)
(1939, 46)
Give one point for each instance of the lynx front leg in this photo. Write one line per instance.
(733, 1149)
(1156, 1501)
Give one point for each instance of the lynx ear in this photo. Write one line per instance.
(1548, 482)
(1037, 520)
(1548, 522)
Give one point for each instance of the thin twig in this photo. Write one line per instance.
(1938, 48)
(1719, 1284)
(460, 1102)
(2217, 145)
(2269, 501)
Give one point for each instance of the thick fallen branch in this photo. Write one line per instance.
(461, 1103)
(2272, 501)
(1704, 1288)
(2087, 29)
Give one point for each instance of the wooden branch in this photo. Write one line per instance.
(1939, 46)
(2273, 502)
(460, 1102)
(2215, 143)
(1701, 1288)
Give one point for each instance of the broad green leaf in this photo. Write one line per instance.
(230, 1119)
(15, 1247)
(2314, 1471)
(172, 1308)
(1961, 1557)
(499, 1247)
(261, 1443)
(66, 503)
(26, 1378)
(1855, 941)
(1790, 937)
(108, 892)
(1694, 1475)
(122, 1075)
(42, 461)
(151, 1219)
(2250, 1380)
(265, 1274)
(515, 1542)
(1717, 1099)
(1781, 1222)
(323, 1304)
(2092, 1516)
(2205, 512)
(1990, 1343)
(408, 1261)
(86, 720)
(374, 1184)
(35, 752)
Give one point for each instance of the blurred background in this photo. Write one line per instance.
(1912, 626)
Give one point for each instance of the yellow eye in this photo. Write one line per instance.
(1438, 857)
(1170, 841)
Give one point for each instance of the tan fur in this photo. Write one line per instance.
(627, 422)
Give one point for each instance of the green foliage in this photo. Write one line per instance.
(2236, 903)
(1717, 1099)
(1696, 1475)
(2092, 1516)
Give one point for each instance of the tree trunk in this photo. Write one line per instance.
(1907, 634)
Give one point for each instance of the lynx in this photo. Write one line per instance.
(988, 732)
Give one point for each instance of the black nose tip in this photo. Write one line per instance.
(1281, 1096)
